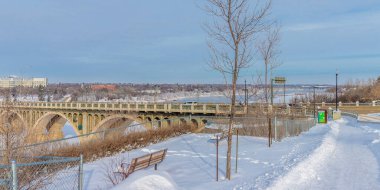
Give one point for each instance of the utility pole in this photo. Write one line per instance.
(336, 91)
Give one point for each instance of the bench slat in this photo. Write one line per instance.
(146, 161)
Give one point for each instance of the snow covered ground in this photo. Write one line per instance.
(375, 117)
(340, 155)
(344, 160)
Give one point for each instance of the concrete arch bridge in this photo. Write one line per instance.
(45, 120)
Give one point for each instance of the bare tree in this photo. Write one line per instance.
(268, 52)
(235, 25)
(11, 133)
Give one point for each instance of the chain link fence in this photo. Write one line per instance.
(288, 127)
(45, 173)
(53, 164)
(280, 127)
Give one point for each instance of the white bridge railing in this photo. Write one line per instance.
(195, 108)
(131, 107)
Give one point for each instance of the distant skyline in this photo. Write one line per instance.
(129, 41)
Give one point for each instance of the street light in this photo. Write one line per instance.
(336, 90)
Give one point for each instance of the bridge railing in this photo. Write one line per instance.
(203, 108)
(133, 107)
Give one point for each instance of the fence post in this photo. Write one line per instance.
(286, 128)
(14, 175)
(217, 157)
(275, 129)
(269, 131)
(80, 185)
(237, 148)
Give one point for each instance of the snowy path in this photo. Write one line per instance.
(343, 161)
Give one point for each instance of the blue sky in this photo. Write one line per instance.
(149, 41)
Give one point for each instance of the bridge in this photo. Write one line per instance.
(46, 119)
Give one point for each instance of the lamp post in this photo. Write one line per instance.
(314, 87)
(246, 96)
(336, 91)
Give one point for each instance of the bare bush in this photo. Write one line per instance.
(112, 170)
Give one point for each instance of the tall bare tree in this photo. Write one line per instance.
(12, 133)
(268, 51)
(236, 23)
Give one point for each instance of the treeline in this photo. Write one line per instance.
(97, 91)
(361, 91)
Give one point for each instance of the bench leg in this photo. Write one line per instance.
(155, 166)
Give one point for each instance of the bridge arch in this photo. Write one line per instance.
(148, 122)
(195, 123)
(166, 122)
(11, 116)
(157, 123)
(204, 122)
(182, 122)
(114, 121)
(50, 125)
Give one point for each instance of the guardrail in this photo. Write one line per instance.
(350, 114)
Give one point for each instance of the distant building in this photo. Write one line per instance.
(14, 81)
(156, 91)
(110, 87)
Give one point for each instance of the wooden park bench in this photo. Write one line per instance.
(142, 162)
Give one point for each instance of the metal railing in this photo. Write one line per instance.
(350, 114)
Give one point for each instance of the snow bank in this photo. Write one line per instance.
(148, 180)
(375, 114)
(375, 118)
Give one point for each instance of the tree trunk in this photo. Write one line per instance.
(266, 82)
(232, 115)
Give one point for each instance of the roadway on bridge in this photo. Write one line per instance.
(345, 160)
